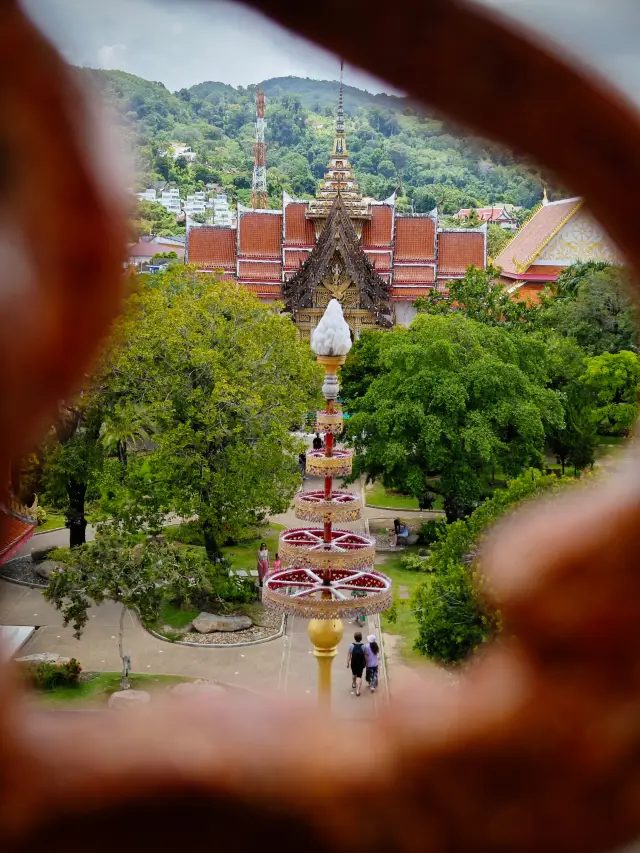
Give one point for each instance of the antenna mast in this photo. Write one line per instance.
(259, 184)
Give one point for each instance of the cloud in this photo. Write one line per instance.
(111, 55)
(182, 42)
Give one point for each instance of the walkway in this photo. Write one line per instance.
(286, 665)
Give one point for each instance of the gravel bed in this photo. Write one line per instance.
(22, 569)
(271, 623)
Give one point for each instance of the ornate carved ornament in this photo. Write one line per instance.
(336, 261)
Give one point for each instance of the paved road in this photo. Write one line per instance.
(286, 665)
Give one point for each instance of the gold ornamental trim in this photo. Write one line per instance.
(305, 546)
(301, 591)
(340, 464)
(330, 422)
(341, 508)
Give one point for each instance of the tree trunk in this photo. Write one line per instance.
(122, 453)
(125, 659)
(76, 521)
(211, 543)
(562, 463)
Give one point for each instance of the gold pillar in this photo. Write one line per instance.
(325, 635)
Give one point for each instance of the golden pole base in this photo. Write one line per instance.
(325, 635)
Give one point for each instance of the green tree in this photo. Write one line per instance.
(73, 457)
(446, 402)
(136, 578)
(452, 616)
(223, 379)
(574, 441)
(480, 298)
(600, 316)
(613, 380)
(497, 239)
(568, 282)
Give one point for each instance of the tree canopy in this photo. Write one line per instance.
(453, 618)
(393, 145)
(223, 379)
(446, 402)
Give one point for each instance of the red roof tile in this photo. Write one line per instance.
(298, 229)
(212, 248)
(377, 232)
(260, 234)
(409, 293)
(13, 533)
(259, 272)
(414, 274)
(294, 257)
(459, 249)
(536, 233)
(415, 239)
(264, 289)
(380, 260)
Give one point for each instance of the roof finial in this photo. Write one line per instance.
(340, 117)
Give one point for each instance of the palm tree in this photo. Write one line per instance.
(124, 425)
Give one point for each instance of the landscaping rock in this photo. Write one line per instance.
(207, 623)
(194, 688)
(40, 554)
(128, 698)
(44, 657)
(48, 568)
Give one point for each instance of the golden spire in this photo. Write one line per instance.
(339, 179)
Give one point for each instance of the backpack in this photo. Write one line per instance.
(357, 655)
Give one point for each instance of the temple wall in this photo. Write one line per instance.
(581, 239)
(405, 312)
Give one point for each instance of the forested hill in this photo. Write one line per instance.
(393, 145)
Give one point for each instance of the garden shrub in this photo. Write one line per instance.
(61, 555)
(41, 515)
(188, 533)
(414, 563)
(431, 531)
(49, 676)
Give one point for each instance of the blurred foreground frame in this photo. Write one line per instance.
(539, 746)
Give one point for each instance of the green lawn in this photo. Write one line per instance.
(377, 495)
(406, 625)
(53, 521)
(244, 555)
(98, 687)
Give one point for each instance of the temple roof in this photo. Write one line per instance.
(298, 229)
(339, 238)
(378, 231)
(518, 255)
(15, 529)
(213, 247)
(260, 233)
(459, 249)
(415, 238)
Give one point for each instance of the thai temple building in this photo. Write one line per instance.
(374, 260)
(559, 234)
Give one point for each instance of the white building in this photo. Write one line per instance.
(221, 211)
(147, 195)
(170, 200)
(196, 203)
(179, 150)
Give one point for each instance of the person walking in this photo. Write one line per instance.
(371, 652)
(263, 562)
(356, 661)
(318, 443)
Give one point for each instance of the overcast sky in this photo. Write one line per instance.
(181, 43)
